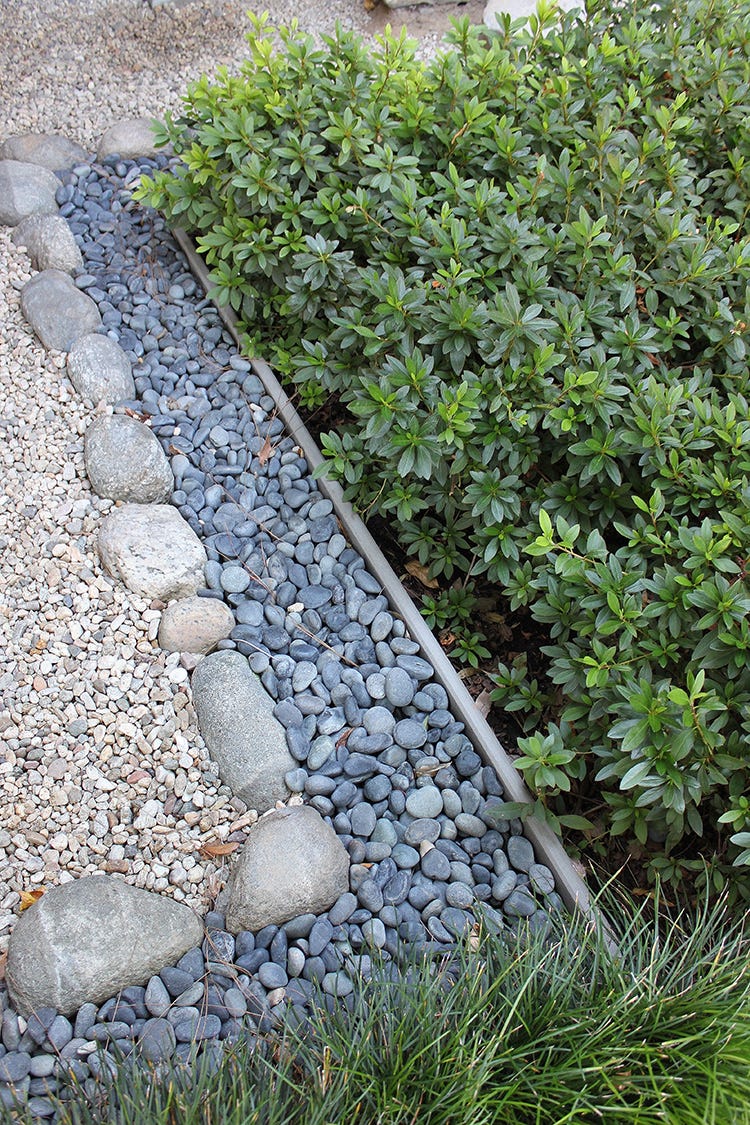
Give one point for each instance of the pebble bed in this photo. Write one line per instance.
(379, 752)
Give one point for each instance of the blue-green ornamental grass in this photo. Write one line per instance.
(507, 1030)
(522, 269)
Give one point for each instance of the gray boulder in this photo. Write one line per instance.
(247, 742)
(50, 150)
(128, 139)
(58, 312)
(152, 550)
(292, 863)
(25, 189)
(194, 625)
(49, 243)
(124, 461)
(99, 369)
(84, 941)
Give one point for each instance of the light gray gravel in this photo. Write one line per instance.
(101, 766)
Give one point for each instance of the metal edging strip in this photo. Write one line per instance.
(547, 845)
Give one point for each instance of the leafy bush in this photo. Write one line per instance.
(508, 1030)
(523, 269)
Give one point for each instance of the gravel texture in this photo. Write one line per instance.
(89, 706)
(102, 768)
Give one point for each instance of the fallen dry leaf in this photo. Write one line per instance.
(28, 898)
(421, 573)
(341, 740)
(483, 703)
(265, 451)
(212, 851)
(3, 963)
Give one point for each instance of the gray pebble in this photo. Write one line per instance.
(470, 825)
(520, 853)
(519, 903)
(542, 878)
(435, 865)
(410, 734)
(425, 803)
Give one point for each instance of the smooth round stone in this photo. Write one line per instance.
(314, 597)
(519, 904)
(435, 865)
(370, 896)
(157, 1040)
(177, 981)
(14, 1066)
(410, 734)
(459, 895)
(425, 803)
(379, 720)
(300, 926)
(41, 1066)
(320, 751)
(373, 931)
(320, 936)
(421, 830)
(396, 889)
(520, 853)
(451, 803)
(305, 673)
(470, 825)
(399, 689)
(418, 668)
(437, 929)
(337, 984)
(234, 579)
(404, 856)
(542, 878)
(296, 780)
(381, 626)
(378, 788)
(455, 921)
(363, 820)
(235, 1003)
(504, 885)
(272, 976)
(295, 962)
(320, 786)
(342, 909)
(375, 684)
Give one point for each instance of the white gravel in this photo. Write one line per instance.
(98, 740)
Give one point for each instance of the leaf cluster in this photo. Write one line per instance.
(523, 269)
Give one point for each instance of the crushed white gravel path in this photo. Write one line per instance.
(101, 765)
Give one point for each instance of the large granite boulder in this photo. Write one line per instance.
(195, 625)
(128, 139)
(49, 150)
(247, 742)
(124, 461)
(49, 243)
(84, 941)
(292, 863)
(58, 312)
(25, 189)
(100, 370)
(152, 550)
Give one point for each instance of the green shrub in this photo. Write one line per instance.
(526, 1030)
(523, 269)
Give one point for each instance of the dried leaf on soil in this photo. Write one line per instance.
(422, 574)
(211, 851)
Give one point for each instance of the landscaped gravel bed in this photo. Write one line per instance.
(379, 754)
